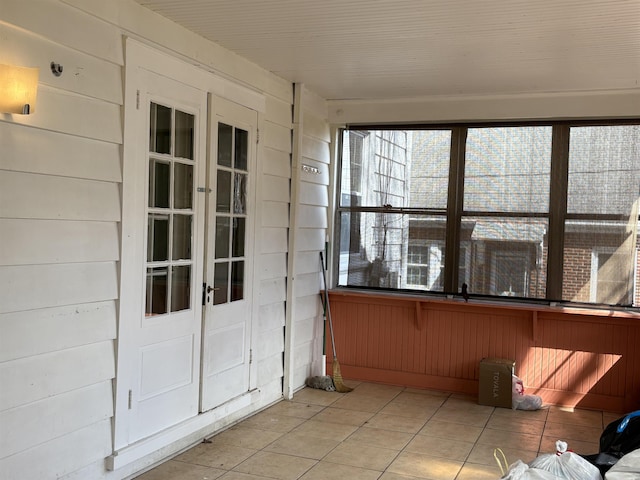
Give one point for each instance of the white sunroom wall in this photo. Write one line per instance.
(310, 191)
(60, 213)
(60, 177)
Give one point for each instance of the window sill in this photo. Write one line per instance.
(458, 301)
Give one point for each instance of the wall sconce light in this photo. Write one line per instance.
(18, 89)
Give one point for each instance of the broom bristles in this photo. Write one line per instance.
(337, 378)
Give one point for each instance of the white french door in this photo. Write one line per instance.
(188, 214)
(171, 121)
(226, 338)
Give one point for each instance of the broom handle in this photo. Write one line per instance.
(328, 310)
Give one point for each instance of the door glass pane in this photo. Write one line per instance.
(160, 129)
(183, 186)
(223, 192)
(182, 225)
(225, 144)
(220, 283)
(238, 237)
(156, 298)
(158, 238)
(180, 287)
(159, 178)
(242, 147)
(222, 237)
(237, 281)
(184, 135)
(240, 193)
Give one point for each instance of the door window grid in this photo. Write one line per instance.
(169, 211)
(231, 212)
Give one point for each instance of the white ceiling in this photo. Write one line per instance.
(389, 49)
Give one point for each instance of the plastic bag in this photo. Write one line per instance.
(627, 468)
(520, 470)
(521, 401)
(566, 464)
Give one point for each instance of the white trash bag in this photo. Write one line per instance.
(520, 401)
(566, 464)
(520, 470)
(627, 468)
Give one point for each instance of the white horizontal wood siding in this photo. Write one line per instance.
(55, 328)
(60, 180)
(40, 286)
(60, 247)
(27, 195)
(44, 420)
(65, 241)
(308, 232)
(272, 247)
(53, 153)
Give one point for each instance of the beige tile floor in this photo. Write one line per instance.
(381, 432)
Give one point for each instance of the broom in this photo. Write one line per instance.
(337, 376)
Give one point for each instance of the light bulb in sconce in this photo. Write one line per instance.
(18, 89)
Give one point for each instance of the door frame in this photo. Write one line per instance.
(140, 56)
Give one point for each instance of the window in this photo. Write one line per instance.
(602, 214)
(393, 228)
(606, 285)
(509, 273)
(506, 201)
(231, 214)
(425, 265)
(170, 211)
(532, 211)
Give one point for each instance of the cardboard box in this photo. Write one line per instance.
(495, 382)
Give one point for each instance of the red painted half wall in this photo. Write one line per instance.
(570, 357)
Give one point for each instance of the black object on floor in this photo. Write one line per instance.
(603, 461)
(620, 437)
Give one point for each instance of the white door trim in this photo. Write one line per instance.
(148, 57)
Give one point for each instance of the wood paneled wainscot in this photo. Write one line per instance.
(571, 357)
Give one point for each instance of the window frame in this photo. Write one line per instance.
(454, 213)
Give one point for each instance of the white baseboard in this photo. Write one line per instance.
(173, 440)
